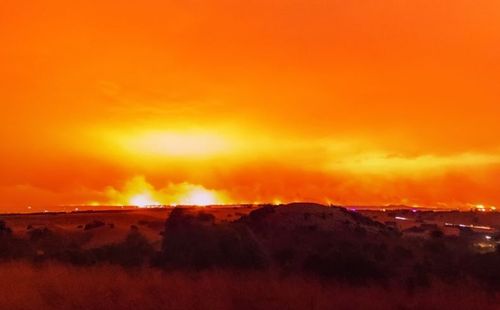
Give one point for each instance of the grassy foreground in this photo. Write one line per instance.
(26, 286)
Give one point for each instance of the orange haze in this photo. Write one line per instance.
(355, 102)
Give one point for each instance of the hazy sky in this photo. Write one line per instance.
(358, 102)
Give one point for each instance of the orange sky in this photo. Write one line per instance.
(359, 102)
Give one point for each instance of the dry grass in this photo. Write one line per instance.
(24, 286)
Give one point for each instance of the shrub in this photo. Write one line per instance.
(195, 241)
(4, 229)
(94, 224)
(345, 265)
(134, 251)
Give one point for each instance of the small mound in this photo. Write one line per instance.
(193, 240)
(300, 215)
(94, 224)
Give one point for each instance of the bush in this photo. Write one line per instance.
(4, 229)
(134, 251)
(437, 233)
(94, 224)
(195, 241)
(345, 265)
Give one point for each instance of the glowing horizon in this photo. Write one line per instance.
(342, 102)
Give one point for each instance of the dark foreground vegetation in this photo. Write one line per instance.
(300, 256)
(26, 286)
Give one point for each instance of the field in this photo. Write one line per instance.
(118, 223)
(25, 286)
(296, 256)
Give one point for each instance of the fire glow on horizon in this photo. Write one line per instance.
(342, 102)
(138, 192)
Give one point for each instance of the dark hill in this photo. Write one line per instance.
(299, 237)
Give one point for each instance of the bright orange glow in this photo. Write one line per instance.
(171, 144)
(200, 197)
(143, 200)
(140, 193)
(346, 102)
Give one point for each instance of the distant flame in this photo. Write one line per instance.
(143, 200)
(200, 197)
(138, 192)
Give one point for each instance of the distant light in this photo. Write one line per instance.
(470, 226)
(481, 227)
(200, 197)
(401, 218)
(487, 237)
(143, 200)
